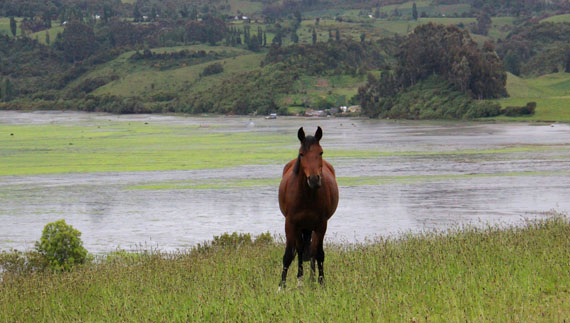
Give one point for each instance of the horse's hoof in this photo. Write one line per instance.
(321, 280)
(279, 289)
(299, 282)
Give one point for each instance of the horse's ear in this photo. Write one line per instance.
(319, 134)
(301, 134)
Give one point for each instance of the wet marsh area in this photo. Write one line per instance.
(173, 181)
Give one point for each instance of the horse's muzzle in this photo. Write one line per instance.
(314, 181)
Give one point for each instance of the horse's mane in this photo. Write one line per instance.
(306, 145)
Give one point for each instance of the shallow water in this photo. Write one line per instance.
(430, 175)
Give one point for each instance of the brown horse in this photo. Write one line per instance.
(308, 197)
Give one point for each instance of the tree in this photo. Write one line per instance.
(298, 16)
(377, 13)
(13, 26)
(512, 62)
(362, 37)
(194, 13)
(461, 74)
(337, 34)
(483, 24)
(137, 14)
(330, 35)
(294, 37)
(48, 41)
(77, 41)
(61, 246)
(414, 11)
(314, 36)
(437, 49)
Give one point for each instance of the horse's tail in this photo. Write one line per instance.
(307, 234)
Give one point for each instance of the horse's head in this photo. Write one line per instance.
(310, 160)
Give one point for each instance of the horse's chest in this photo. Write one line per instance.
(311, 205)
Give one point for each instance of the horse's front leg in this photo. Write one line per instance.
(318, 252)
(289, 252)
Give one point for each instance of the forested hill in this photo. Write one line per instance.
(241, 57)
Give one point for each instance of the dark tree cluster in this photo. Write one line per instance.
(450, 52)
(513, 7)
(537, 48)
(334, 57)
(211, 29)
(461, 69)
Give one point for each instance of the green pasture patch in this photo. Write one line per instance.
(5, 26)
(136, 146)
(138, 80)
(415, 179)
(44, 149)
(550, 92)
(231, 183)
(557, 18)
(237, 183)
(494, 274)
(53, 31)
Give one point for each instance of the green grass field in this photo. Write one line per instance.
(136, 146)
(514, 274)
(53, 31)
(550, 92)
(5, 26)
(558, 18)
(139, 79)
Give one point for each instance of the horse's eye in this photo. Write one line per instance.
(301, 154)
(321, 153)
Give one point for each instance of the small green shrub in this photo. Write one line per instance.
(61, 246)
(263, 239)
(514, 111)
(233, 240)
(215, 68)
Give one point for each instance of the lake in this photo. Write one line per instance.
(394, 177)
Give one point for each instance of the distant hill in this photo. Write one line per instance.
(241, 56)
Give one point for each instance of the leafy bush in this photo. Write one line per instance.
(514, 111)
(61, 246)
(211, 69)
(233, 240)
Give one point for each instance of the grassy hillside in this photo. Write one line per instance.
(558, 18)
(551, 93)
(5, 26)
(514, 274)
(41, 35)
(142, 79)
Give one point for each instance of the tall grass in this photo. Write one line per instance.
(468, 274)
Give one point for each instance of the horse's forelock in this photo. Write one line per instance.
(308, 142)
